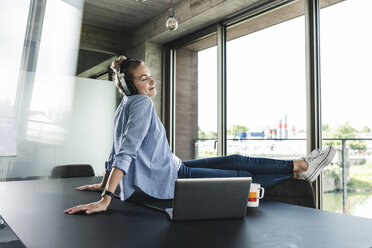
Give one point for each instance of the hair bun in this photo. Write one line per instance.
(121, 58)
(115, 65)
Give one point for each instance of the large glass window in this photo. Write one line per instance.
(60, 118)
(11, 44)
(48, 111)
(346, 54)
(266, 99)
(196, 99)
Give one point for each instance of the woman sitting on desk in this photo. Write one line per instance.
(141, 156)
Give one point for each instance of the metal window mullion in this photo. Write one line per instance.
(172, 91)
(221, 89)
(313, 84)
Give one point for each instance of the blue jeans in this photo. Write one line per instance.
(264, 171)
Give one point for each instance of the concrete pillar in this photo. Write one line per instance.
(186, 103)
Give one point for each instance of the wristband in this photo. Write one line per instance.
(106, 192)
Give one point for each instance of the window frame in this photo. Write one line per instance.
(313, 80)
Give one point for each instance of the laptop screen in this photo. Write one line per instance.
(8, 239)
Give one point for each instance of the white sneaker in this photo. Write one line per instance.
(313, 153)
(316, 162)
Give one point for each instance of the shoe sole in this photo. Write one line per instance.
(324, 163)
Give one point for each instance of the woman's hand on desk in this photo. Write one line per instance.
(93, 187)
(98, 186)
(112, 180)
(90, 208)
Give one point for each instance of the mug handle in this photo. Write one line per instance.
(262, 192)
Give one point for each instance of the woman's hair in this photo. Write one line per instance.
(128, 69)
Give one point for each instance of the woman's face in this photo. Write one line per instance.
(144, 82)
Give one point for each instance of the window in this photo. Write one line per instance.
(11, 46)
(266, 99)
(346, 85)
(53, 87)
(61, 118)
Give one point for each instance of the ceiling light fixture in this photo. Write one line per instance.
(141, 1)
(171, 23)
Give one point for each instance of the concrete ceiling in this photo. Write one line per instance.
(122, 15)
(114, 25)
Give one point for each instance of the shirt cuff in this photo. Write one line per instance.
(122, 163)
(108, 165)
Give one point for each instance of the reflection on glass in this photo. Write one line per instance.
(11, 44)
(54, 82)
(64, 119)
(346, 54)
(50, 108)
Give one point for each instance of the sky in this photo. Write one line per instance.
(266, 73)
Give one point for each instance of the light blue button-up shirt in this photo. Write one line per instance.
(141, 150)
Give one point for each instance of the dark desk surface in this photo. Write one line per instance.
(34, 209)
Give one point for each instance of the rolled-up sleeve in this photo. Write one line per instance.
(108, 163)
(136, 129)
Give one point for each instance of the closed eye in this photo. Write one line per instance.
(146, 78)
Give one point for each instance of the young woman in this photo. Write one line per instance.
(141, 156)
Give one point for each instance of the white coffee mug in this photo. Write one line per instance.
(255, 194)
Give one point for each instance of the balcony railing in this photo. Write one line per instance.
(351, 153)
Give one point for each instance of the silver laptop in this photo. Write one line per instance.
(210, 198)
